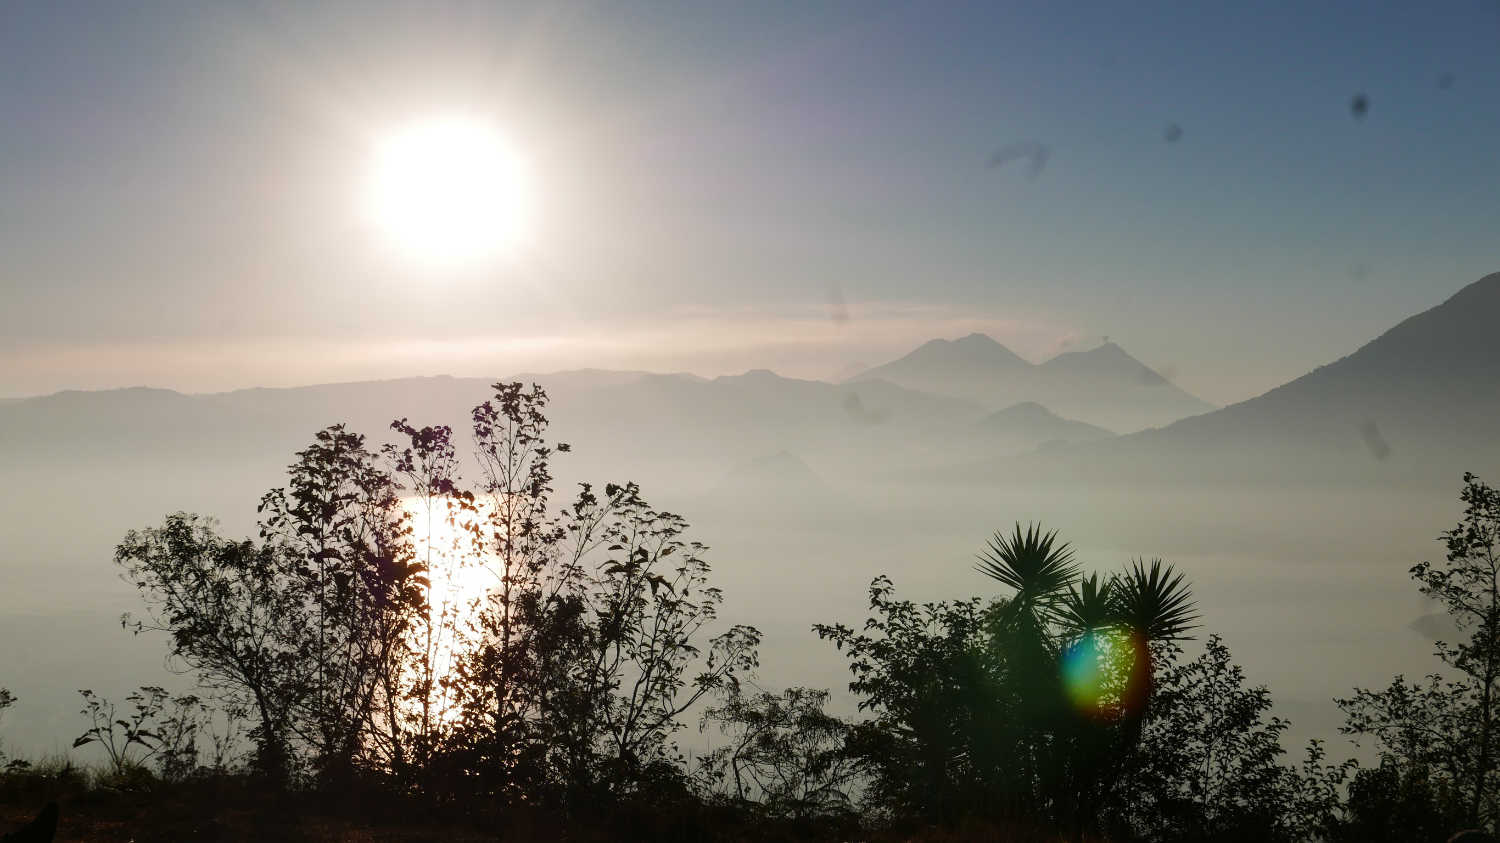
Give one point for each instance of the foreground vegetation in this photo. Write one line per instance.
(348, 684)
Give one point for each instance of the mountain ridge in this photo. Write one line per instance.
(1417, 404)
(1459, 335)
(1032, 420)
(1104, 386)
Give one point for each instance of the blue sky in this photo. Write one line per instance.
(179, 184)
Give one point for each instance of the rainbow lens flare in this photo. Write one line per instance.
(1095, 669)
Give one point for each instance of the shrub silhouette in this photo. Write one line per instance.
(1439, 737)
(783, 753)
(566, 678)
(1066, 705)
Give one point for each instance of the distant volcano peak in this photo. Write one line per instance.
(1102, 385)
(974, 349)
(1034, 420)
(977, 339)
(1025, 409)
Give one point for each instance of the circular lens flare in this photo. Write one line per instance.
(1095, 669)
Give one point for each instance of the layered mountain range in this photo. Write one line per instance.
(1421, 395)
(1418, 405)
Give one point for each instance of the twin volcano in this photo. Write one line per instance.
(1104, 386)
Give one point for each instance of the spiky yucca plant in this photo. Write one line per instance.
(1155, 606)
(1036, 565)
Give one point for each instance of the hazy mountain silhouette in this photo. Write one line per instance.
(588, 378)
(760, 404)
(1417, 405)
(1031, 421)
(162, 424)
(678, 426)
(953, 364)
(689, 426)
(1107, 361)
(1104, 386)
(774, 477)
(849, 371)
(1430, 381)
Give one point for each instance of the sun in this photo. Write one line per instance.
(446, 191)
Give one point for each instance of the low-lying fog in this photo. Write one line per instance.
(1308, 586)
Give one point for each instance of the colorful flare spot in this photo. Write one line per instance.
(1095, 668)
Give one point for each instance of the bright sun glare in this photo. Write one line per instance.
(457, 585)
(447, 191)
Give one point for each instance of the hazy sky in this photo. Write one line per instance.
(181, 184)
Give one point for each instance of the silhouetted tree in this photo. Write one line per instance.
(1059, 630)
(1095, 661)
(529, 616)
(345, 543)
(562, 682)
(1155, 608)
(309, 626)
(784, 754)
(418, 697)
(7, 699)
(1206, 766)
(226, 608)
(940, 713)
(1444, 730)
(1067, 704)
(650, 599)
(1040, 569)
(1397, 802)
(586, 641)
